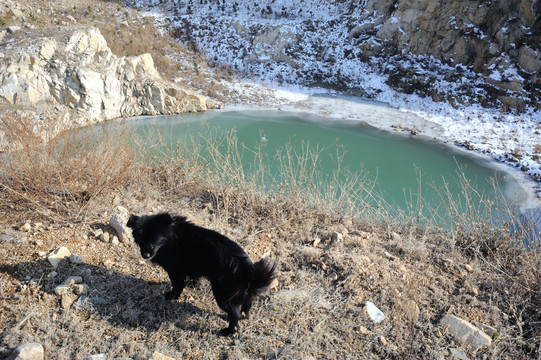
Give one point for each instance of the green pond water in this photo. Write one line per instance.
(398, 168)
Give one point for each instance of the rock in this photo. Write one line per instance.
(86, 303)
(66, 300)
(58, 255)
(363, 330)
(105, 237)
(375, 314)
(26, 227)
(336, 236)
(80, 289)
(465, 332)
(69, 73)
(13, 29)
(29, 351)
(61, 289)
(395, 236)
(158, 356)
(72, 280)
(16, 13)
(97, 357)
(118, 222)
(458, 354)
(76, 259)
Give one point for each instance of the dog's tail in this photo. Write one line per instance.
(263, 275)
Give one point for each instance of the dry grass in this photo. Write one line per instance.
(317, 310)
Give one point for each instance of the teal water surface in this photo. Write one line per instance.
(403, 168)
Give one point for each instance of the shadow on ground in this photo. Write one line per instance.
(125, 301)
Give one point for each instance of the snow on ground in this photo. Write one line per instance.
(319, 33)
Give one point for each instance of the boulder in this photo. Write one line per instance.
(118, 223)
(58, 255)
(465, 332)
(29, 351)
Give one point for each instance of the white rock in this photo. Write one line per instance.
(97, 357)
(57, 255)
(158, 356)
(375, 314)
(26, 227)
(118, 222)
(465, 332)
(29, 351)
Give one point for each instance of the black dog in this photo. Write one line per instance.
(184, 249)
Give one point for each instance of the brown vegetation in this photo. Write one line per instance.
(330, 262)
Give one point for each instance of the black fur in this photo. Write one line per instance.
(185, 250)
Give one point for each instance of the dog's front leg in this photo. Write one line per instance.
(178, 281)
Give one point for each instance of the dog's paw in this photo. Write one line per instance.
(171, 295)
(227, 331)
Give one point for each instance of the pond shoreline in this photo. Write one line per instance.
(340, 108)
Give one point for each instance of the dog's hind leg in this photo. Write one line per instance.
(246, 306)
(233, 316)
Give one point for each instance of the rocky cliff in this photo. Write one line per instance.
(66, 77)
(498, 40)
(461, 52)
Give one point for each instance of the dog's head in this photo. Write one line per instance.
(150, 232)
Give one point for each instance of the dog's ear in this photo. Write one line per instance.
(164, 219)
(132, 221)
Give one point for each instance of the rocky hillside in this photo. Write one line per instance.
(66, 76)
(467, 52)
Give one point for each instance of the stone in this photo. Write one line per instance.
(105, 237)
(29, 351)
(58, 255)
(118, 223)
(363, 330)
(158, 356)
(26, 227)
(61, 289)
(465, 332)
(97, 233)
(376, 315)
(66, 300)
(75, 259)
(72, 280)
(16, 13)
(458, 354)
(80, 289)
(336, 236)
(97, 357)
